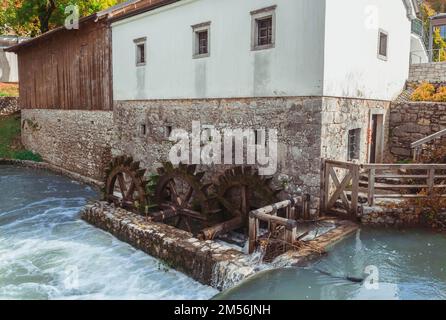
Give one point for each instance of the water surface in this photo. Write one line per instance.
(47, 252)
(410, 264)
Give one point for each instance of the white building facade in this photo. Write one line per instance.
(321, 72)
(321, 48)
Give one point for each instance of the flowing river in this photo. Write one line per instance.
(404, 265)
(48, 252)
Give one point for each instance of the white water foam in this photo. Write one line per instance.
(47, 252)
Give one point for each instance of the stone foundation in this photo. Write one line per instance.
(339, 115)
(209, 262)
(401, 217)
(412, 121)
(78, 141)
(298, 121)
(206, 261)
(309, 128)
(8, 105)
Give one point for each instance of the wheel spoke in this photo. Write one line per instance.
(129, 193)
(174, 194)
(188, 196)
(121, 182)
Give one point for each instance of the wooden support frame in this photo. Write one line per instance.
(331, 179)
(269, 215)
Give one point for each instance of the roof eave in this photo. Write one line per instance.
(44, 36)
(142, 10)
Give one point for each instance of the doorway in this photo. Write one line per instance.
(377, 138)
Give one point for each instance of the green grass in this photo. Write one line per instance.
(9, 135)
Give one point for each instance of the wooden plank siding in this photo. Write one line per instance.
(71, 70)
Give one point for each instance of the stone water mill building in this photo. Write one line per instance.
(321, 72)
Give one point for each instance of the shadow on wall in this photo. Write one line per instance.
(5, 69)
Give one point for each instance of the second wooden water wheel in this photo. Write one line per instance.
(240, 190)
(180, 190)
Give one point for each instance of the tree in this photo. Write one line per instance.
(33, 17)
(437, 5)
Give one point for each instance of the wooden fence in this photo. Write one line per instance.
(342, 180)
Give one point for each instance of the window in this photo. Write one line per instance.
(141, 55)
(143, 129)
(383, 45)
(354, 143)
(201, 38)
(167, 131)
(264, 31)
(263, 28)
(442, 30)
(203, 42)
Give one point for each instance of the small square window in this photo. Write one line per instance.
(263, 28)
(383, 45)
(203, 42)
(354, 144)
(201, 33)
(141, 54)
(143, 129)
(264, 31)
(168, 131)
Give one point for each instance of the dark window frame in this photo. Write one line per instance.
(140, 51)
(383, 46)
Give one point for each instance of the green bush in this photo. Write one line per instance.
(27, 155)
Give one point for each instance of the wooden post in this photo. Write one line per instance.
(371, 191)
(431, 181)
(253, 225)
(292, 213)
(355, 189)
(324, 186)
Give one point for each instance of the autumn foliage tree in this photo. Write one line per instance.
(33, 17)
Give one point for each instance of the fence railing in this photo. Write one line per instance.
(411, 178)
(342, 181)
(418, 145)
(426, 56)
(270, 214)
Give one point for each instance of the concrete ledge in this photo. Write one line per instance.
(208, 262)
(52, 168)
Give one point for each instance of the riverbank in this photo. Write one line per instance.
(55, 169)
(10, 139)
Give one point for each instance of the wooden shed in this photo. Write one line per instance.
(72, 69)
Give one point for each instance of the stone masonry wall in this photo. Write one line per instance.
(341, 115)
(429, 72)
(8, 105)
(412, 121)
(78, 141)
(298, 121)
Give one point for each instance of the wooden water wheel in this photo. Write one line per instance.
(240, 190)
(180, 188)
(125, 184)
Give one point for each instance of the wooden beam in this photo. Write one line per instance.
(371, 187)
